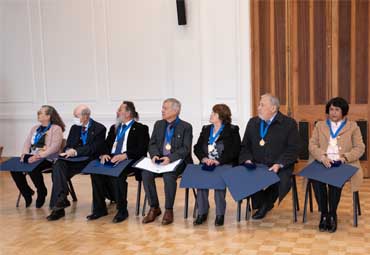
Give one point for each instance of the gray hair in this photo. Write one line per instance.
(86, 111)
(274, 100)
(176, 105)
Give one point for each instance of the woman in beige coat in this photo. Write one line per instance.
(43, 142)
(336, 139)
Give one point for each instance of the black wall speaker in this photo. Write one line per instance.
(181, 12)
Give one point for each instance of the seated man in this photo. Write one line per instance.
(171, 140)
(271, 139)
(127, 139)
(86, 138)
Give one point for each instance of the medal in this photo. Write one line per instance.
(333, 142)
(168, 147)
(211, 147)
(262, 142)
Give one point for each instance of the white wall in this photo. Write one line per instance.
(100, 52)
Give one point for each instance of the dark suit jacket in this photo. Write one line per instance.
(95, 140)
(137, 141)
(181, 141)
(228, 144)
(282, 147)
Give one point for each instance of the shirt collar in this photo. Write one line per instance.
(128, 122)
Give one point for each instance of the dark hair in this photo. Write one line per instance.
(130, 107)
(338, 102)
(224, 113)
(54, 116)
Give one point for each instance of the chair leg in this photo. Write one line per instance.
(358, 203)
(305, 202)
(295, 191)
(186, 206)
(144, 205)
(294, 198)
(72, 191)
(248, 209)
(238, 212)
(195, 204)
(138, 198)
(18, 200)
(355, 210)
(310, 196)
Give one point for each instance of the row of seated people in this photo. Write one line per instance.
(271, 138)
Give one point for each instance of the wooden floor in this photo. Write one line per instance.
(26, 231)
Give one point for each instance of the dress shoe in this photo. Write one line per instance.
(120, 216)
(200, 219)
(323, 226)
(219, 221)
(167, 217)
(261, 212)
(41, 198)
(95, 216)
(332, 224)
(56, 215)
(152, 215)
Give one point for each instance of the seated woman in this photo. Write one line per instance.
(43, 142)
(336, 139)
(218, 144)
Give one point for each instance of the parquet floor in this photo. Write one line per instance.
(26, 231)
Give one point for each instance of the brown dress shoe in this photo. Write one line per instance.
(152, 214)
(167, 217)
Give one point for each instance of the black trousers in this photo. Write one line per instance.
(62, 172)
(267, 196)
(113, 188)
(327, 197)
(36, 177)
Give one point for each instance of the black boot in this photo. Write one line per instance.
(323, 226)
(41, 195)
(332, 224)
(28, 198)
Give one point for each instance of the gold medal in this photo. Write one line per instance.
(262, 142)
(168, 147)
(211, 147)
(333, 142)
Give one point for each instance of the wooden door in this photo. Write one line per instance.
(306, 52)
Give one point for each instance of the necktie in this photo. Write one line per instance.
(120, 142)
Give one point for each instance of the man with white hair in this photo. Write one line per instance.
(171, 140)
(272, 139)
(86, 138)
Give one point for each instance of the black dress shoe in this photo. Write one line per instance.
(261, 212)
(332, 224)
(200, 219)
(219, 221)
(120, 216)
(41, 199)
(95, 216)
(323, 226)
(56, 215)
(61, 204)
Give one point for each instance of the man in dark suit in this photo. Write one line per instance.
(128, 139)
(86, 138)
(171, 140)
(271, 139)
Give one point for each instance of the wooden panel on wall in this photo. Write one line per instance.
(362, 51)
(303, 39)
(280, 50)
(344, 49)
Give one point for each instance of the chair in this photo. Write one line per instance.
(49, 170)
(308, 198)
(249, 203)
